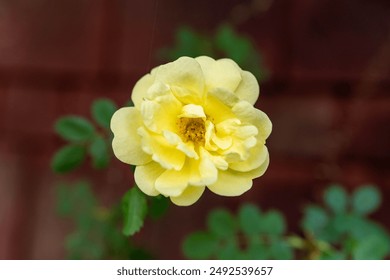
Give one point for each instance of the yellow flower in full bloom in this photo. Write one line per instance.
(193, 125)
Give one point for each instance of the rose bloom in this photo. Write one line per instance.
(193, 125)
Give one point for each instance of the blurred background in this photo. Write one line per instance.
(325, 84)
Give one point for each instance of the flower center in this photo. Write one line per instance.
(191, 129)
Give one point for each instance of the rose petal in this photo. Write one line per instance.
(161, 150)
(249, 88)
(222, 73)
(249, 114)
(231, 183)
(259, 171)
(189, 196)
(172, 182)
(141, 88)
(186, 74)
(161, 113)
(145, 177)
(258, 155)
(127, 143)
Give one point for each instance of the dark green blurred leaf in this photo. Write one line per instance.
(360, 228)
(84, 204)
(257, 251)
(230, 251)
(250, 220)
(188, 43)
(200, 245)
(333, 255)
(82, 246)
(68, 158)
(273, 223)
(64, 204)
(315, 219)
(140, 254)
(158, 206)
(280, 250)
(102, 111)
(99, 152)
(366, 200)
(134, 209)
(337, 227)
(75, 200)
(372, 248)
(336, 199)
(341, 222)
(239, 50)
(221, 223)
(74, 128)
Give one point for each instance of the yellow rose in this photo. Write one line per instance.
(193, 125)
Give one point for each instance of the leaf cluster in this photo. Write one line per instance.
(343, 223)
(97, 234)
(85, 138)
(341, 229)
(225, 42)
(251, 234)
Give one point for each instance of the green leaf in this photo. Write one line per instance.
(80, 245)
(134, 209)
(374, 247)
(230, 251)
(221, 223)
(158, 207)
(84, 205)
(74, 128)
(83, 197)
(249, 218)
(99, 152)
(273, 223)
(257, 251)
(333, 255)
(280, 250)
(102, 111)
(360, 228)
(64, 203)
(366, 200)
(200, 245)
(315, 219)
(68, 158)
(336, 199)
(239, 51)
(335, 228)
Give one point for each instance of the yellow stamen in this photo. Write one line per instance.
(191, 129)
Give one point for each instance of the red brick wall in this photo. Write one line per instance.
(328, 98)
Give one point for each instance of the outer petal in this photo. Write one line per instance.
(258, 155)
(184, 76)
(259, 171)
(189, 196)
(172, 182)
(249, 114)
(222, 73)
(145, 177)
(248, 89)
(141, 88)
(231, 183)
(127, 143)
